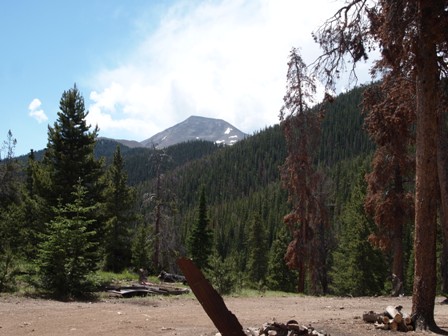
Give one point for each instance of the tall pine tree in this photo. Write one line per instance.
(257, 252)
(9, 173)
(69, 157)
(120, 213)
(10, 213)
(358, 268)
(142, 248)
(279, 276)
(200, 240)
(35, 209)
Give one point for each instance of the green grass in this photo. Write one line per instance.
(247, 292)
(25, 284)
(125, 278)
(110, 277)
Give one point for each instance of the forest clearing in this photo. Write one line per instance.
(184, 316)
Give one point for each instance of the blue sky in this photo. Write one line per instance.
(144, 65)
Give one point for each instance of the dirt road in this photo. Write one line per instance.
(184, 316)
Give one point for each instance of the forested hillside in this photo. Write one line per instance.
(147, 202)
(137, 160)
(242, 182)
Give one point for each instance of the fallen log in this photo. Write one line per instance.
(393, 326)
(146, 289)
(372, 317)
(382, 326)
(171, 277)
(394, 314)
(394, 319)
(406, 318)
(402, 326)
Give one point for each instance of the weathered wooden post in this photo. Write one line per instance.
(213, 304)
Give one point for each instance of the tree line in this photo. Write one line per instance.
(112, 224)
(51, 231)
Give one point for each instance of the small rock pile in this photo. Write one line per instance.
(291, 328)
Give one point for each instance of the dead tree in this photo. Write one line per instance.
(412, 38)
(301, 127)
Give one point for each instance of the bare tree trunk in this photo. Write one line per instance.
(397, 263)
(442, 160)
(301, 277)
(426, 168)
(158, 215)
(397, 238)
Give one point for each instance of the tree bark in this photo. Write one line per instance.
(213, 304)
(372, 317)
(442, 160)
(393, 326)
(397, 237)
(426, 168)
(301, 277)
(158, 216)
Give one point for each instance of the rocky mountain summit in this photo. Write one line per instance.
(196, 128)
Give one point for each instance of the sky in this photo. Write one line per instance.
(145, 65)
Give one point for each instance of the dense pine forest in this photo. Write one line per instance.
(86, 205)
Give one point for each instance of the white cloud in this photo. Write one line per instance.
(223, 59)
(36, 112)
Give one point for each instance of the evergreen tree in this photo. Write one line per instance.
(200, 240)
(69, 157)
(142, 248)
(257, 252)
(358, 268)
(120, 214)
(222, 274)
(280, 277)
(35, 209)
(11, 232)
(8, 269)
(9, 173)
(67, 255)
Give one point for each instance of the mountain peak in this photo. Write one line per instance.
(196, 128)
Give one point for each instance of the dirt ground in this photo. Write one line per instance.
(184, 316)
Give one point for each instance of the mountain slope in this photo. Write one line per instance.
(196, 128)
(242, 182)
